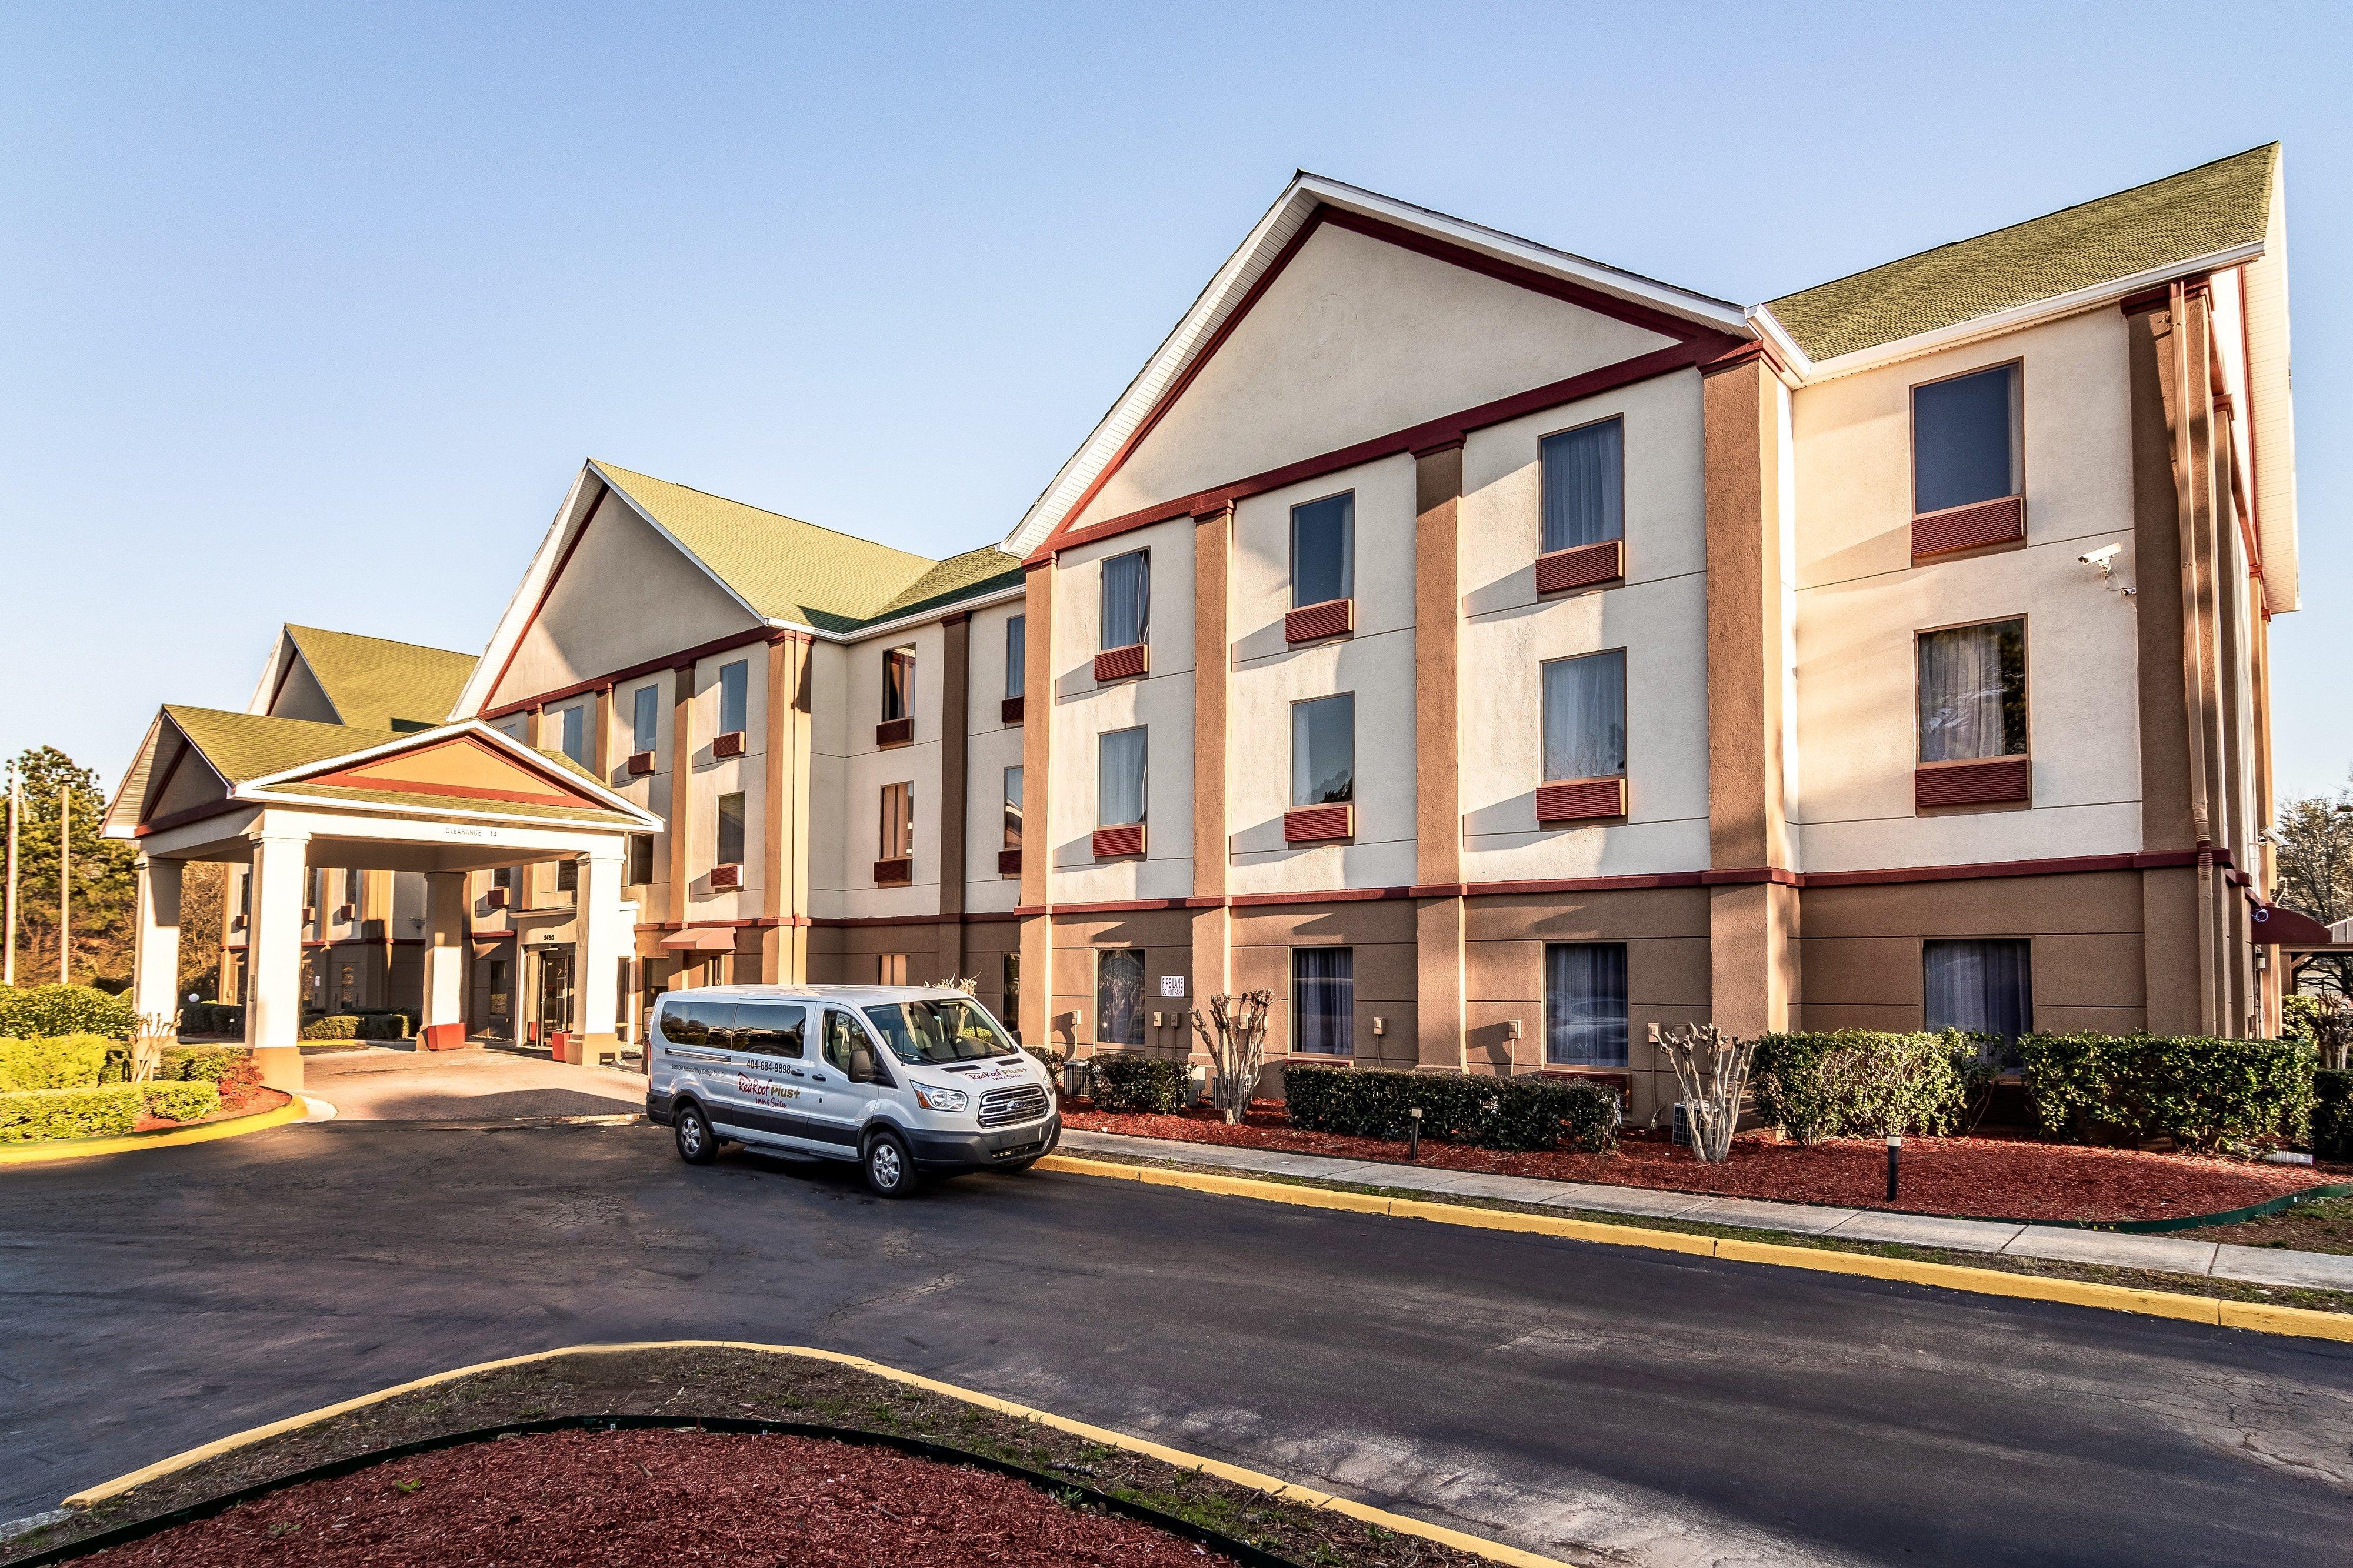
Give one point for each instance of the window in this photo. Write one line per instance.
(1323, 1000)
(1583, 484)
(1585, 1004)
(770, 1028)
(314, 889)
(567, 876)
(1324, 551)
(353, 889)
(730, 830)
(498, 999)
(1585, 716)
(1119, 997)
(1127, 599)
(1979, 987)
(502, 878)
(1012, 808)
(843, 1040)
(898, 838)
(1017, 656)
(898, 684)
(1973, 692)
(735, 696)
(510, 726)
(1965, 444)
(1012, 1004)
(891, 969)
(1119, 778)
(939, 1029)
(1323, 749)
(645, 718)
(572, 732)
(641, 858)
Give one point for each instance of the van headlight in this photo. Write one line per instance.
(941, 1098)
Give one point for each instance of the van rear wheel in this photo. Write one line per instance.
(697, 1145)
(889, 1166)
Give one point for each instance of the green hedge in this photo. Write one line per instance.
(1050, 1059)
(358, 1026)
(68, 1061)
(1125, 1082)
(1864, 1083)
(46, 1011)
(2332, 1116)
(1510, 1114)
(204, 1064)
(2202, 1093)
(39, 1114)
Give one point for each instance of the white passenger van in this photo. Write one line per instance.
(906, 1081)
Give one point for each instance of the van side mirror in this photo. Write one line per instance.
(861, 1065)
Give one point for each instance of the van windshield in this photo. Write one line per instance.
(939, 1029)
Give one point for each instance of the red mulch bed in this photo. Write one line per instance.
(2008, 1178)
(673, 1498)
(252, 1103)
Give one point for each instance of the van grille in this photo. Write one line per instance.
(1000, 1106)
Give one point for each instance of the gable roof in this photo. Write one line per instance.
(1234, 286)
(2214, 209)
(374, 682)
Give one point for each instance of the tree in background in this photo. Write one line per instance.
(2315, 858)
(203, 899)
(103, 891)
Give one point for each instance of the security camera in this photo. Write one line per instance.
(2101, 557)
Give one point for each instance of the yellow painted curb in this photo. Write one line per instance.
(237, 1127)
(1290, 1491)
(2300, 1321)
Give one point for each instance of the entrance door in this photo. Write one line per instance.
(555, 992)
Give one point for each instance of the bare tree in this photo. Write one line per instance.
(2315, 860)
(1713, 1068)
(1235, 1036)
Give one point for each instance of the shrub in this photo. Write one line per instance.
(204, 1064)
(98, 1111)
(1513, 1113)
(2201, 1092)
(68, 1061)
(1051, 1059)
(46, 1011)
(1861, 1083)
(2332, 1116)
(369, 1025)
(1128, 1082)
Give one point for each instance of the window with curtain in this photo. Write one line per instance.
(1323, 749)
(1012, 808)
(731, 829)
(1583, 483)
(353, 887)
(1980, 987)
(1120, 777)
(1017, 656)
(1585, 1004)
(1973, 692)
(1011, 1012)
(1965, 444)
(898, 683)
(641, 858)
(898, 838)
(1323, 1000)
(735, 696)
(572, 732)
(1585, 716)
(1119, 997)
(645, 718)
(503, 877)
(1127, 599)
(567, 876)
(1323, 550)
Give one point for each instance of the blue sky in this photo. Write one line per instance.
(312, 311)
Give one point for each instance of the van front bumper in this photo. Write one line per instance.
(978, 1151)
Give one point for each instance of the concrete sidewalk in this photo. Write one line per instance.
(2168, 1254)
(398, 1084)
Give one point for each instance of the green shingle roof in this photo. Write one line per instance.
(373, 681)
(793, 570)
(2211, 208)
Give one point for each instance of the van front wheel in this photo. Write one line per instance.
(697, 1145)
(889, 1166)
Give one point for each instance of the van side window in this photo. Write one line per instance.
(842, 1035)
(711, 1023)
(770, 1028)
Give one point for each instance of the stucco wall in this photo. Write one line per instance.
(1659, 617)
(626, 596)
(866, 768)
(1860, 601)
(1355, 339)
(991, 746)
(711, 776)
(1081, 710)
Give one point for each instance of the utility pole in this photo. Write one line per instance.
(65, 882)
(16, 815)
